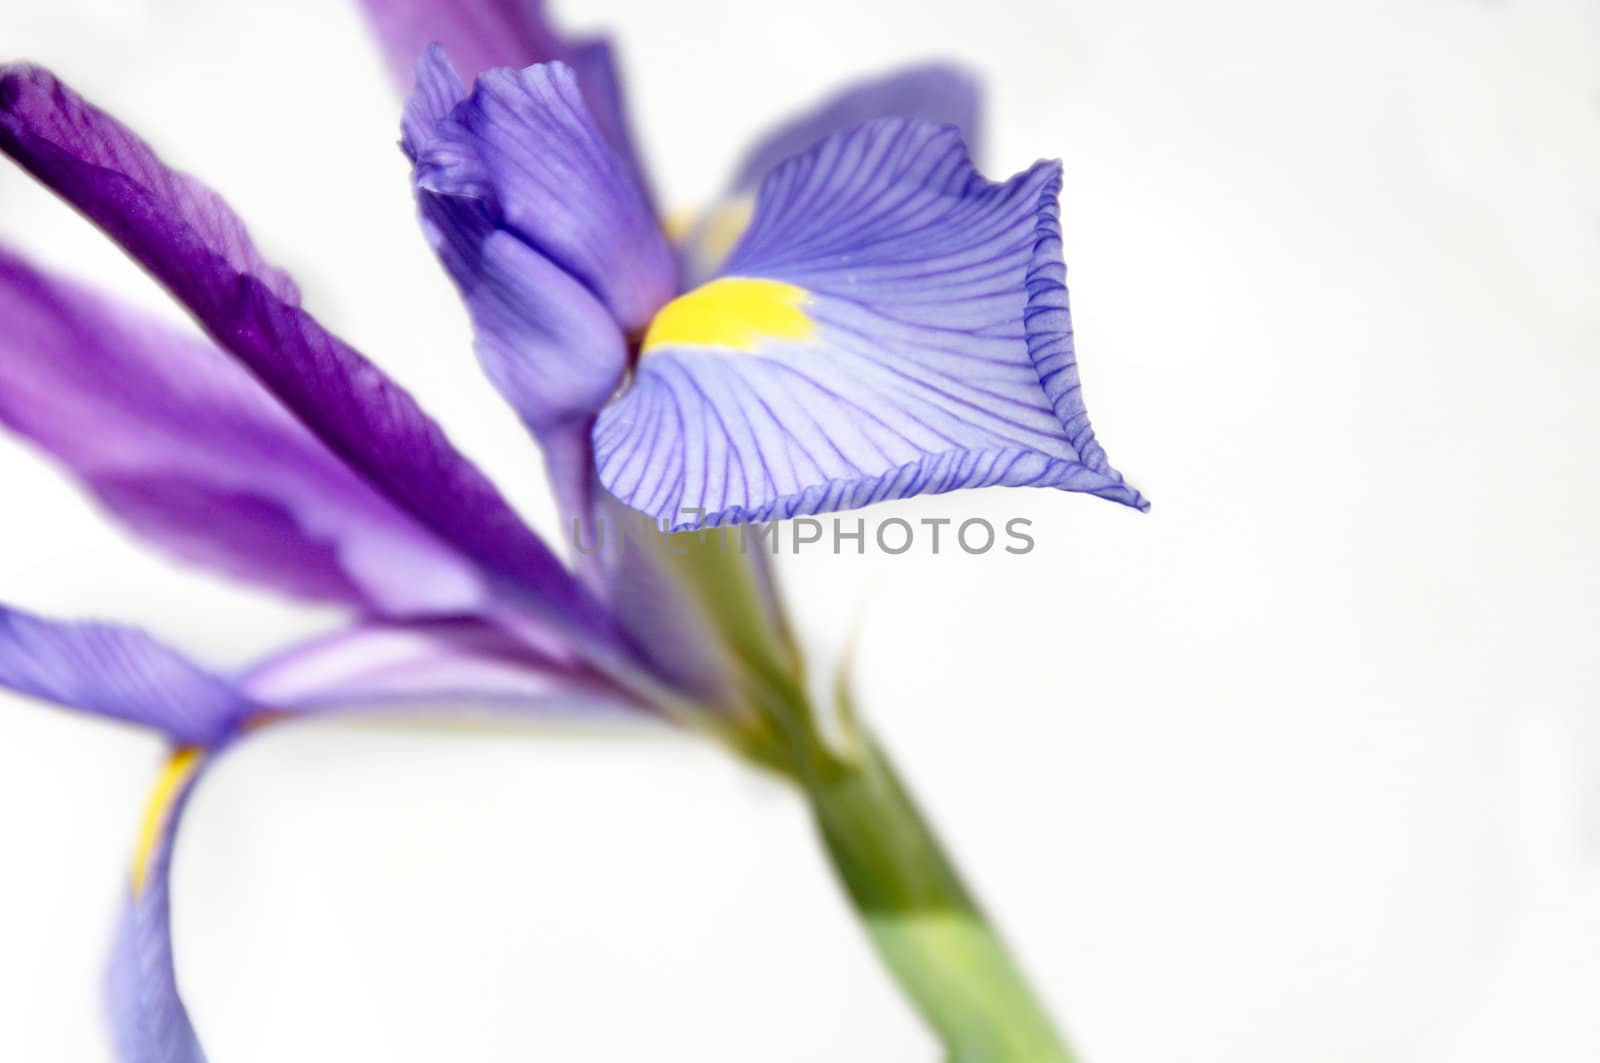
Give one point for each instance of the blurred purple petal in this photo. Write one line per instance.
(478, 34)
(357, 412)
(435, 92)
(438, 664)
(594, 63)
(656, 604)
(891, 324)
(935, 93)
(180, 442)
(118, 672)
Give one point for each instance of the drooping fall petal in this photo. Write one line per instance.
(891, 324)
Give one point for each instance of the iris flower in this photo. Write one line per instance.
(862, 317)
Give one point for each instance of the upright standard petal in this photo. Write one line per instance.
(181, 443)
(118, 672)
(149, 1022)
(360, 415)
(891, 324)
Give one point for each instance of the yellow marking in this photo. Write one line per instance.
(179, 769)
(736, 313)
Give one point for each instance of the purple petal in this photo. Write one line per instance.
(148, 1020)
(524, 146)
(181, 443)
(935, 93)
(478, 34)
(594, 63)
(456, 664)
(925, 345)
(116, 671)
(545, 342)
(466, 664)
(371, 667)
(657, 606)
(360, 415)
(69, 145)
(122, 673)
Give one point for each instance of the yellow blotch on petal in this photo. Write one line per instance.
(179, 769)
(734, 313)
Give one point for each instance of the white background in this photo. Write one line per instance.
(1299, 766)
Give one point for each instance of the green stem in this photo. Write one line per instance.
(924, 922)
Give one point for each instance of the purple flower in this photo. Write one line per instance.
(884, 323)
(863, 317)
